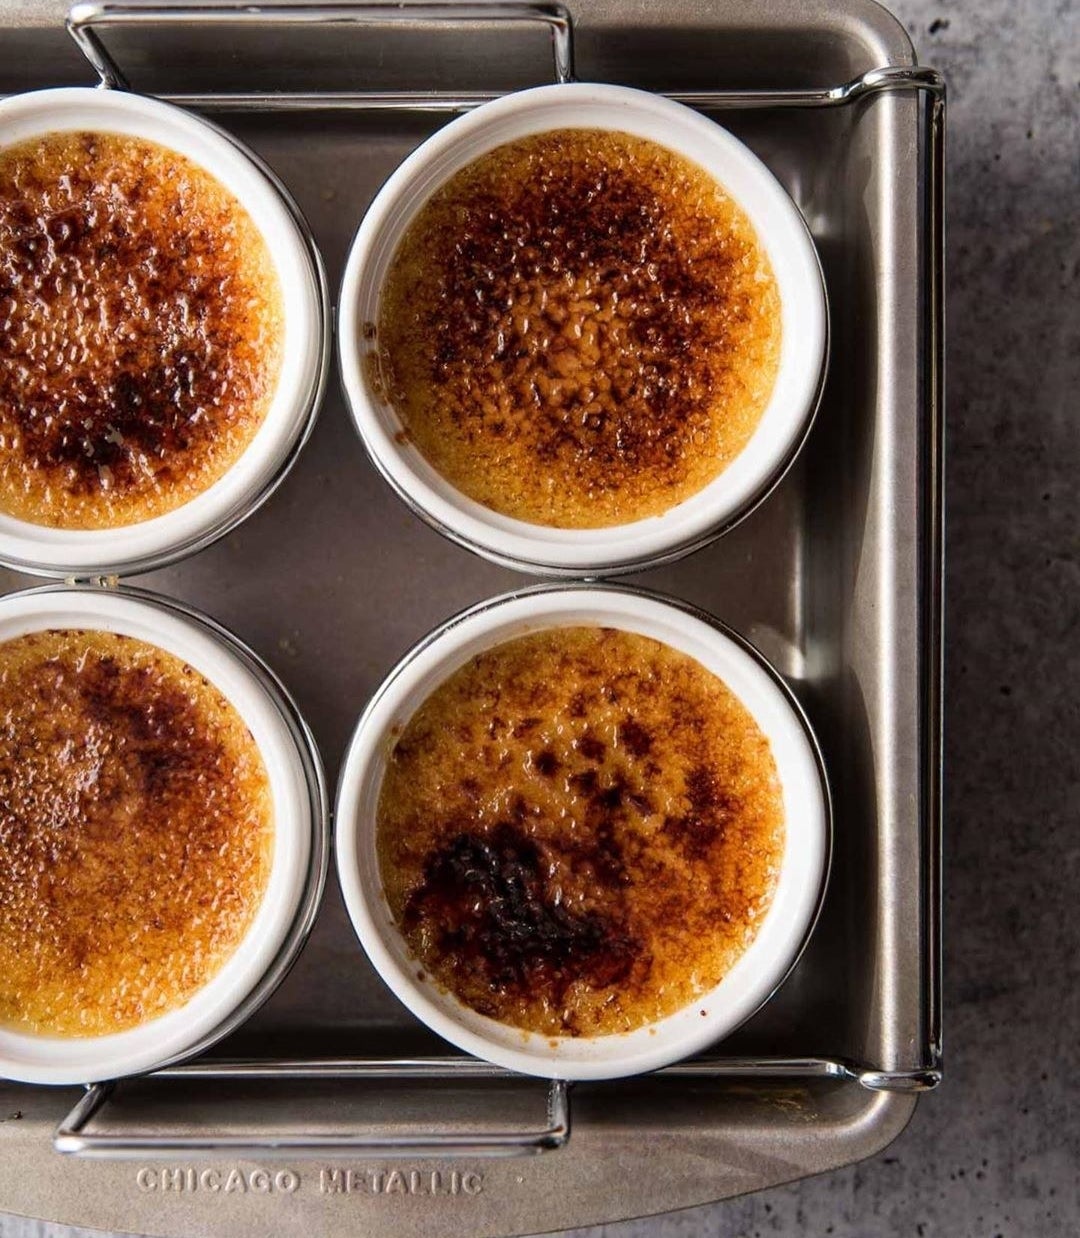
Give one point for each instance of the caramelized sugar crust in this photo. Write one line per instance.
(579, 831)
(579, 329)
(141, 330)
(136, 832)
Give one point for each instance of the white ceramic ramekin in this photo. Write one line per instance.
(151, 543)
(783, 426)
(301, 831)
(782, 932)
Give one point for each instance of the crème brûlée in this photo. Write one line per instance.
(141, 330)
(579, 831)
(136, 832)
(579, 329)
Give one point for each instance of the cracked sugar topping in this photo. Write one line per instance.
(580, 831)
(579, 329)
(141, 330)
(136, 832)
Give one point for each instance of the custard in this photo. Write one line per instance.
(579, 329)
(141, 330)
(136, 832)
(580, 831)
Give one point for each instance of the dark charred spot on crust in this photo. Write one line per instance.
(707, 796)
(711, 808)
(703, 791)
(525, 727)
(585, 783)
(695, 835)
(486, 899)
(602, 855)
(635, 738)
(591, 748)
(155, 725)
(546, 763)
(610, 799)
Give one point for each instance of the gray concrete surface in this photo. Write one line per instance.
(996, 1151)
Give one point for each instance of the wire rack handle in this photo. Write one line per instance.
(73, 1137)
(86, 19)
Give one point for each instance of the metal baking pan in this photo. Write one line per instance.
(332, 1109)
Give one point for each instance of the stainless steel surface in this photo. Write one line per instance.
(836, 578)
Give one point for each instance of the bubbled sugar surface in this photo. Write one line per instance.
(136, 832)
(141, 330)
(580, 831)
(580, 329)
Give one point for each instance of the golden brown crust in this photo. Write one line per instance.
(136, 832)
(579, 831)
(579, 329)
(141, 330)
